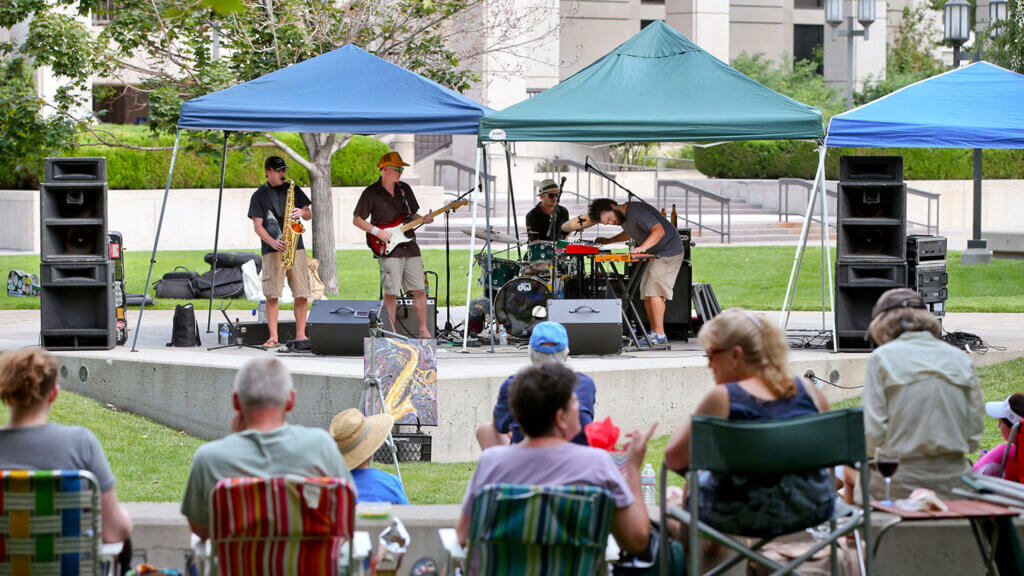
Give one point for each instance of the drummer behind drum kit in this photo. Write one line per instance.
(523, 287)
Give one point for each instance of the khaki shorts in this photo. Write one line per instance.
(660, 277)
(274, 274)
(401, 273)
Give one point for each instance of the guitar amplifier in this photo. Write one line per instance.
(407, 323)
(337, 327)
(593, 326)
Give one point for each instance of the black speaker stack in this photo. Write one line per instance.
(871, 242)
(77, 300)
(926, 261)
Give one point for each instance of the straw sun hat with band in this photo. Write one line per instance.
(358, 436)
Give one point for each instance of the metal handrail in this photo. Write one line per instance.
(460, 169)
(724, 206)
(784, 212)
(577, 169)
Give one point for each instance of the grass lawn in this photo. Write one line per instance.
(753, 277)
(151, 461)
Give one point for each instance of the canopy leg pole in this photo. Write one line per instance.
(216, 234)
(487, 231)
(798, 257)
(156, 240)
(827, 243)
(512, 199)
(472, 247)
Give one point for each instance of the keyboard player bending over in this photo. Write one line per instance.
(653, 234)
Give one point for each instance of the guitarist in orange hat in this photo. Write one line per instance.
(383, 204)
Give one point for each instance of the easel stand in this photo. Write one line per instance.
(372, 393)
(235, 333)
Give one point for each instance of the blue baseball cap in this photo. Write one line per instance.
(549, 337)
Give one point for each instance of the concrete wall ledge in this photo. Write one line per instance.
(161, 536)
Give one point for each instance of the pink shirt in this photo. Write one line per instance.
(989, 462)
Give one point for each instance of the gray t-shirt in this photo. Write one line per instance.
(286, 450)
(567, 464)
(640, 218)
(54, 447)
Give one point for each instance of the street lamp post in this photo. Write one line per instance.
(956, 31)
(834, 17)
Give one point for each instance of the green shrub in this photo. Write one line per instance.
(353, 165)
(790, 159)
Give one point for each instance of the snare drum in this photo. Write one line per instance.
(539, 254)
(502, 270)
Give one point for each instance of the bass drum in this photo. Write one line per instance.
(514, 304)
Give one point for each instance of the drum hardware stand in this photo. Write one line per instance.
(372, 392)
(449, 329)
(555, 234)
(235, 334)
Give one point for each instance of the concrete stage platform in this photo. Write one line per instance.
(190, 389)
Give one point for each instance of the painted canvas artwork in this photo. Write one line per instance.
(408, 376)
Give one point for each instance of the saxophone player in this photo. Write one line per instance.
(266, 209)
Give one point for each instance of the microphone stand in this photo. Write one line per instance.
(588, 167)
(448, 327)
(554, 234)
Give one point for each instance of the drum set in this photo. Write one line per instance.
(522, 286)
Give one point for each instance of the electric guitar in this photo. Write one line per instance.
(398, 230)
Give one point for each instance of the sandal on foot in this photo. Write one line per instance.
(271, 344)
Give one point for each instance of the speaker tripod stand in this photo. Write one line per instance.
(373, 397)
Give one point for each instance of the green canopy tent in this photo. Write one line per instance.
(659, 86)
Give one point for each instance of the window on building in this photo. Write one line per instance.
(531, 92)
(104, 12)
(807, 4)
(808, 42)
(119, 104)
(646, 23)
(652, 1)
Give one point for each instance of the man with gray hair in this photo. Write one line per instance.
(549, 342)
(262, 445)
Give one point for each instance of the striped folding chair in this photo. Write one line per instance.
(528, 530)
(50, 524)
(284, 526)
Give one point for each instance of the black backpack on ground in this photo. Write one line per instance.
(185, 329)
(179, 283)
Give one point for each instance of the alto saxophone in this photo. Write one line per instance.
(292, 230)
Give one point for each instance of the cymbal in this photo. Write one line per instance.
(496, 236)
(578, 223)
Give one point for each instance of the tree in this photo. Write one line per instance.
(910, 57)
(181, 49)
(1007, 48)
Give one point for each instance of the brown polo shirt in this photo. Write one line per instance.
(380, 208)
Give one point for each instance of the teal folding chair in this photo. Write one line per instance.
(527, 530)
(775, 448)
(50, 524)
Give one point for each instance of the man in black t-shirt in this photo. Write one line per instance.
(266, 209)
(538, 220)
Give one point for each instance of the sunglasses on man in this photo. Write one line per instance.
(550, 194)
(397, 169)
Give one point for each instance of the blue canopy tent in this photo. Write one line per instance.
(978, 106)
(347, 90)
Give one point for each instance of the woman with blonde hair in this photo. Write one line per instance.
(749, 358)
(28, 386)
(922, 401)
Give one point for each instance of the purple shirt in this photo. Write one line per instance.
(988, 464)
(563, 465)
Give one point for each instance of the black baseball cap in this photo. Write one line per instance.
(274, 163)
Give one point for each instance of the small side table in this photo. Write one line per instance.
(975, 511)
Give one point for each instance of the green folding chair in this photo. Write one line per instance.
(775, 448)
(532, 530)
(50, 524)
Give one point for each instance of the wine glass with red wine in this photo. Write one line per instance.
(886, 463)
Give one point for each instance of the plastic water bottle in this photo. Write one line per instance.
(648, 485)
(502, 335)
(224, 334)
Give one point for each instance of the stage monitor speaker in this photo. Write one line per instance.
(337, 327)
(257, 333)
(593, 326)
(76, 306)
(408, 322)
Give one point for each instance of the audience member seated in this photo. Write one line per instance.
(28, 386)
(548, 343)
(547, 410)
(263, 445)
(1008, 412)
(922, 400)
(748, 357)
(359, 437)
